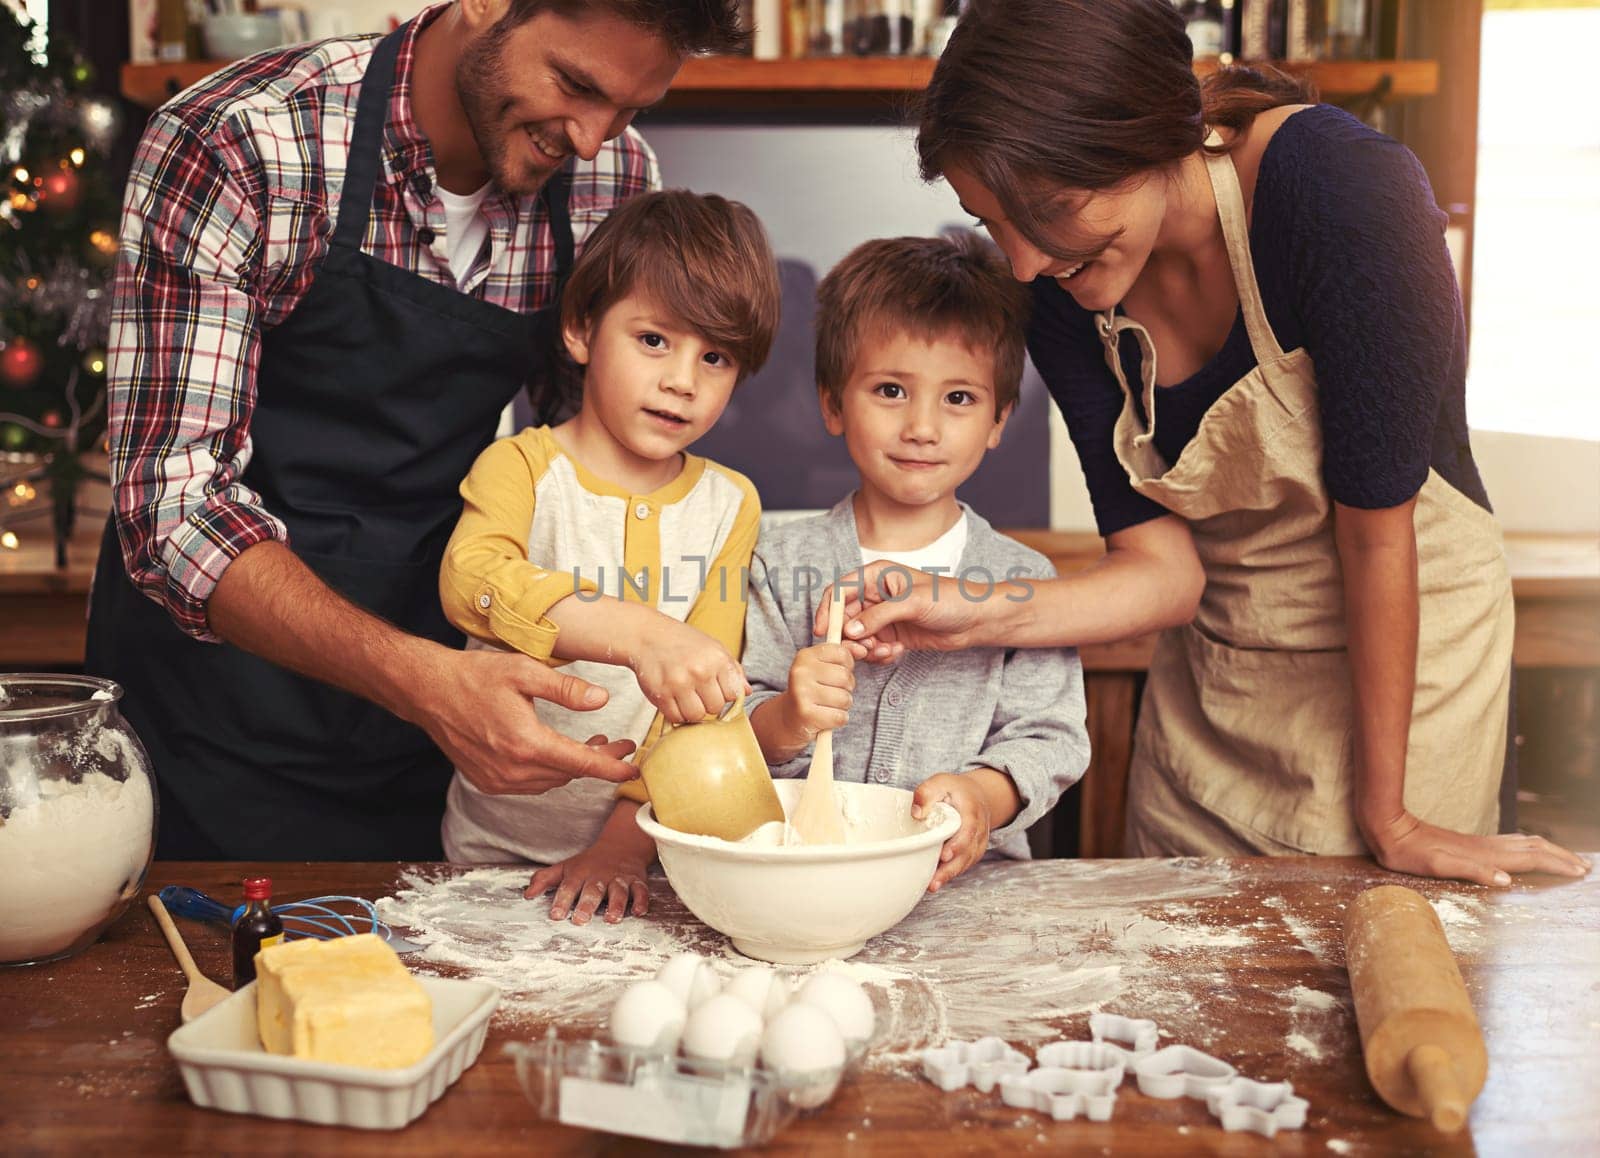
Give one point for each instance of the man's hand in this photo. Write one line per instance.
(685, 673)
(1405, 844)
(480, 712)
(612, 869)
(962, 791)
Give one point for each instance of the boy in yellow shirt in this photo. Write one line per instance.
(601, 542)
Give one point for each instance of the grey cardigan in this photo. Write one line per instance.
(1018, 710)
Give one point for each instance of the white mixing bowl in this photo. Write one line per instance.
(796, 905)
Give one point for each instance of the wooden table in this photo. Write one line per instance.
(84, 1068)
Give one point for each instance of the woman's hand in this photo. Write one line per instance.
(890, 609)
(685, 673)
(1405, 844)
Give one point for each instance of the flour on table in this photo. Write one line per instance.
(1303, 1045)
(1460, 918)
(1011, 950)
(1303, 999)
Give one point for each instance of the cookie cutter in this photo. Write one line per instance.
(982, 1063)
(1179, 1071)
(1064, 1093)
(1089, 1057)
(1265, 1107)
(1141, 1035)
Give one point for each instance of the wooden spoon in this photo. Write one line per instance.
(817, 819)
(203, 992)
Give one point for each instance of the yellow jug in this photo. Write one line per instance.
(710, 778)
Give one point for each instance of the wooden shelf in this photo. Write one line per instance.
(738, 83)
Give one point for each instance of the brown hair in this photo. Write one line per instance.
(933, 287)
(701, 258)
(690, 27)
(1043, 99)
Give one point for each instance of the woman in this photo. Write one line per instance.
(1246, 312)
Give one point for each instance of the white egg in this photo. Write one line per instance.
(761, 989)
(723, 1029)
(691, 977)
(648, 1016)
(804, 1047)
(843, 999)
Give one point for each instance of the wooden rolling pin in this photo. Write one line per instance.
(1424, 1050)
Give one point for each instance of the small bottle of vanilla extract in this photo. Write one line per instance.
(257, 928)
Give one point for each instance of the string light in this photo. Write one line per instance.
(21, 175)
(24, 492)
(76, 156)
(9, 541)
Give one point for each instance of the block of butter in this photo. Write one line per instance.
(347, 1000)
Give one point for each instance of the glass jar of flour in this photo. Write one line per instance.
(77, 814)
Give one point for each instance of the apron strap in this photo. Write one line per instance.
(557, 192)
(1230, 207)
(366, 145)
(1111, 326)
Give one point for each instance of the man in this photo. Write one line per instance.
(340, 261)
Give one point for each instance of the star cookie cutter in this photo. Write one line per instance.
(1265, 1107)
(1064, 1094)
(982, 1063)
(1179, 1071)
(1141, 1035)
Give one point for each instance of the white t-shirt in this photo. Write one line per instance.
(465, 229)
(944, 552)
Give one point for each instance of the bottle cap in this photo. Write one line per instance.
(258, 888)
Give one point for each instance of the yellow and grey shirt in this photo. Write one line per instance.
(536, 528)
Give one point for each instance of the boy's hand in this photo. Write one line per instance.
(975, 796)
(685, 673)
(612, 869)
(818, 698)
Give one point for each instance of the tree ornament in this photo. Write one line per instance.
(60, 191)
(101, 121)
(21, 362)
(102, 247)
(12, 437)
(51, 418)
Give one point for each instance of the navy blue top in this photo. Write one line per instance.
(1349, 252)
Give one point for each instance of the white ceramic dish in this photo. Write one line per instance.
(225, 1068)
(797, 905)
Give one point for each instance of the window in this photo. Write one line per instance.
(1535, 357)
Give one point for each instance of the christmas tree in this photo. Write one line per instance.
(58, 243)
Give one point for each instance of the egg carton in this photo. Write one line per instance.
(662, 1097)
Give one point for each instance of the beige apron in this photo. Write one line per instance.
(1245, 744)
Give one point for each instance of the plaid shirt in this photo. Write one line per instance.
(228, 213)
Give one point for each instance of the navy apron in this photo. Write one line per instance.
(374, 398)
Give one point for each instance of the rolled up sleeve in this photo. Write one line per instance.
(182, 355)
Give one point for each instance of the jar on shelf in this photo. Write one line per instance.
(77, 814)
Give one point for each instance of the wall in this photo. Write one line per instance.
(821, 190)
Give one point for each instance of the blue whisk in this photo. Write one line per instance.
(315, 917)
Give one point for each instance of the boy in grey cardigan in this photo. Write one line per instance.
(919, 360)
